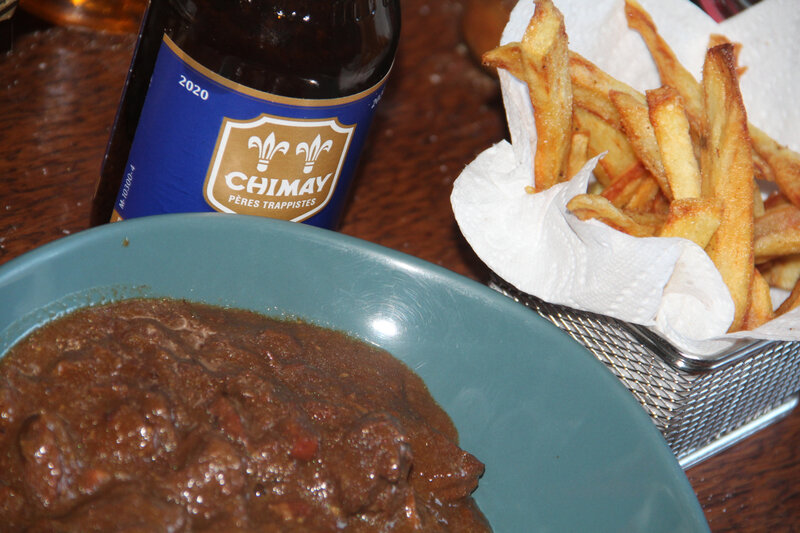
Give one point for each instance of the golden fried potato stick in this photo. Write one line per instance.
(777, 233)
(716, 39)
(653, 220)
(635, 119)
(661, 206)
(590, 84)
(760, 166)
(599, 132)
(671, 130)
(782, 272)
(758, 202)
(541, 59)
(599, 104)
(643, 199)
(625, 186)
(591, 87)
(726, 167)
(507, 57)
(762, 169)
(760, 309)
(696, 219)
(671, 71)
(604, 137)
(592, 206)
(784, 162)
(545, 65)
(791, 302)
(578, 153)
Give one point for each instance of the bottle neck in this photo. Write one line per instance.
(301, 48)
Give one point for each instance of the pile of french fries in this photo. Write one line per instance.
(681, 160)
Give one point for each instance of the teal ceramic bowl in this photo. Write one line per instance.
(566, 447)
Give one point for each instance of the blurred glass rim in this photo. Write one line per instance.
(112, 16)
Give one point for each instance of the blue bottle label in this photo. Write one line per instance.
(205, 143)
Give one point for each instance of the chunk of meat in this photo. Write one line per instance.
(211, 480)
(142, 512)
(380, 457)
(49, 460)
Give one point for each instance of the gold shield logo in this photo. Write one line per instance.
(276, 167)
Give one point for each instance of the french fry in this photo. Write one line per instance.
(635, 119)
(653, 220)
(590, 206)
(791, 302)
(696, 219)
(671, 130)
(597, 103)
(761, 168)
(726, 166)
(644, 196)
(625, 186)
(590, 84)
(671, 71)
(545, 65)
(782, 272)
(604, 137)
(591, 87)
(777, 233)
(680, 160)
(594, 187)
(759, 310)
(661, 206)
(716, 39)
(785, 163)
(758, 202)
(507, 57)
(578, 153)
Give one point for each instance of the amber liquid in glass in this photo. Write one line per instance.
(116, 16)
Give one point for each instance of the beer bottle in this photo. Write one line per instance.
(256, 107)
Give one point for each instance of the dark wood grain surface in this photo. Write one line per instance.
(59, 89)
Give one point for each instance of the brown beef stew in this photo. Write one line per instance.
(163, 415)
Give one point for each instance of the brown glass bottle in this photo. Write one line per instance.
(301, 49)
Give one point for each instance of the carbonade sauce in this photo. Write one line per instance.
(162, 415)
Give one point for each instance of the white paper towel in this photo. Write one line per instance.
(534, 243)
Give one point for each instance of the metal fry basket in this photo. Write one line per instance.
(700, 406)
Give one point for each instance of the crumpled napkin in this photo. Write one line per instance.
(534, 243)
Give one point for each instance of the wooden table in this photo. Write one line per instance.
(59, 89)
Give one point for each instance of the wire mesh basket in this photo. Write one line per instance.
(701, 406)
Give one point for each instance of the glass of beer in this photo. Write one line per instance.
(482, 24)
(116, 16)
